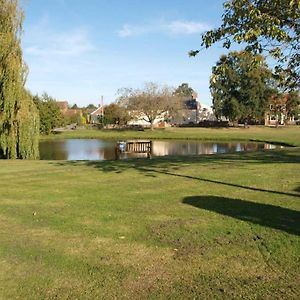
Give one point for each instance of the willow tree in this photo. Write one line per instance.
(19, 120)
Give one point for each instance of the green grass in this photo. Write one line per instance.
(285, 135)
(210, 227)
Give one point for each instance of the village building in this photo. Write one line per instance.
(94, 117)
(66, 111)
(195, 112)
(277, 113)
(191, 114)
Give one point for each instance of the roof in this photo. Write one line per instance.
(62, 105)
(98, 111)
(190, 104)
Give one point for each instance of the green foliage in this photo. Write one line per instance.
(91, 106)
(77, 118)
(184, 90)
(239, 87)
(74, 106)
(293, 104)
(115, 114)
(28, 128)
(18, 116)
(270, 26)
(50, 115)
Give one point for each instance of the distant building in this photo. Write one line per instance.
(68, 112)
(139, 119)
(95, 115)
(206, 113)
(277, 112)
(63, 106)
(194, 111)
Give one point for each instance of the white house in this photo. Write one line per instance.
(95, 116)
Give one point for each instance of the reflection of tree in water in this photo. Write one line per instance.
(53, 150)
(107, 153)
(238, 147)
(181, 148)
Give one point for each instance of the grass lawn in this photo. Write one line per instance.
(287, 135)
(210, 227)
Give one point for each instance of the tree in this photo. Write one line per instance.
(185, 91)
(19, 120)
(74, 106)
(293, 104)
(270, 26)
(91, 106)
(151, 103)
(240, 90)
(115, 114)
(50, 115)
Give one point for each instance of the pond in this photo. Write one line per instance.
(96, 149)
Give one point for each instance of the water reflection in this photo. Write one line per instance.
(162, 148)
(94, 149)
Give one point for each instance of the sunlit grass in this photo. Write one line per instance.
(286, 135)
(218, 226)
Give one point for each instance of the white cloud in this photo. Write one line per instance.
(179, 27)
(129, 30)
(186, 27)
(59, 44)
(58, 59)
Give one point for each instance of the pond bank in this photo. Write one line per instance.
(287, 136)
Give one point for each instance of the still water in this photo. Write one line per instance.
(95, 149)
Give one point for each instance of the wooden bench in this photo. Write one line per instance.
(134, 147)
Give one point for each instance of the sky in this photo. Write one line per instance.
(80, 50)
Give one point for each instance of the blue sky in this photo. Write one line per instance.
(79, 50)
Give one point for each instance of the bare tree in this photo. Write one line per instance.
(151, 103)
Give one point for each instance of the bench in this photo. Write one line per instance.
(134, 147)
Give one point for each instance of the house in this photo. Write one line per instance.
(96, 115)
(206, 113)
(189, 113)
(277, 113)
(69, 113)
(140, 119)
(63, 106)
(194, 111)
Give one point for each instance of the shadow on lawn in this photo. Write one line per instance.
(171, 165)
(239, 158)
(275, 217)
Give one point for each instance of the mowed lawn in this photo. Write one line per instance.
(210, 227)
(287, 135)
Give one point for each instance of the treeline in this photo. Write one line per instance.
(51, 116)
(244, 89)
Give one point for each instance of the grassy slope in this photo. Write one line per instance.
(289, 135)
(220, 226)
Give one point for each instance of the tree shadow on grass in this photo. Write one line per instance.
(266, 215)
(238, 159)
(224, 183)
